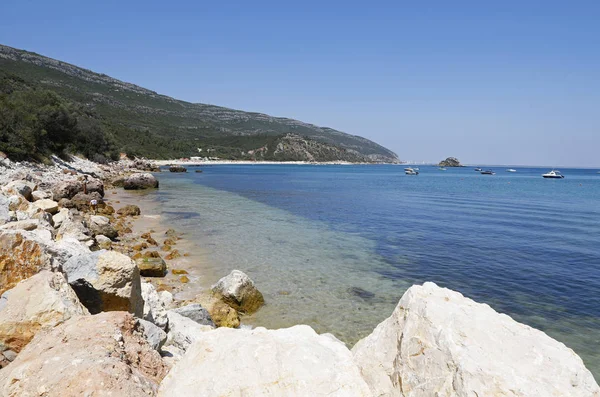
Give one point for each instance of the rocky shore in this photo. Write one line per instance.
(87, 307)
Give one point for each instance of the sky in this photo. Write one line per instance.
(511, 82)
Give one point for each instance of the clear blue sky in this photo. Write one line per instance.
(505, 82)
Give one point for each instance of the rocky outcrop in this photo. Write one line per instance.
(285, 362)
(450, 162)
(100, 225)
(238, 291)
(101, 355)
(106, 281)
(40, 302)
(437, 342)
(177, 168)
(140, 181)
(24, 254)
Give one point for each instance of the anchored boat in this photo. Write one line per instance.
(553, 175)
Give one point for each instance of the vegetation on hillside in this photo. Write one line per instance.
(131, 119)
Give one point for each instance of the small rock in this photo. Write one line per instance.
(129, 210)
(173, 255)
(152, 267)
(101, 225)
(177, 168)
(179, 271)
(239, 292)
(184, 279)
(197, 313)
(103, 241)
(153, 334)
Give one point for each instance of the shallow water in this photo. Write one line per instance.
(336, 246)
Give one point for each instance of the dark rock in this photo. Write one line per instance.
(450, 162)
(177, 168)
(67, 189)
(361, 293)
(152, 266)
(129, 210)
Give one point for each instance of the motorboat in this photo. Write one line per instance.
(488, 172)
(553, 175)
(478, 169)
(411, 171)
(442, 168)
(511, 170)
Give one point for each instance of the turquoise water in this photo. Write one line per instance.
(335, 247)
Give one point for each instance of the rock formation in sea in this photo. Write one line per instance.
(450, 162)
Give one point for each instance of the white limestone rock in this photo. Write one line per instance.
(46, 205)
(183, 331)
(155, 309)
(100, 225)
(286, 362)
(439, 343)
(106, 281)
(40, 302)
(238, 291)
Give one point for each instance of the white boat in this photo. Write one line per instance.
(442, 168)
(410, 171)
(553, 175)
(511, 170)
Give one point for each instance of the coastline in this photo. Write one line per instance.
(75, 304)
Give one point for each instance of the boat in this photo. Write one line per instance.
(553, 175)
(442, 168)
(488, 172)
(410, 171)
(511, 170)
(478, 169)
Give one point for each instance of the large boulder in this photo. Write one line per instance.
(140, 181)
(102, 355)
(23, 254)
(100, 225)
(70, 227)
(46, 205)
(106, 281)
(40, 302)
(60, 216)
(238, 291)
(22, 188)
(94, 186)
(67, 189)
(439, 343)
(155, 307)
(286, 362)
(82, 201)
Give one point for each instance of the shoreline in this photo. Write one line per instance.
(74, 305)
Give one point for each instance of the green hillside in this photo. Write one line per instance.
(141, 122)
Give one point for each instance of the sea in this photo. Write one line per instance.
(336, 246)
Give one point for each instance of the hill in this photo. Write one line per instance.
(141, 122)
